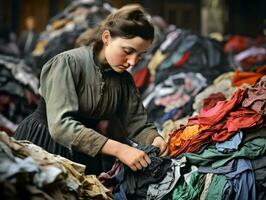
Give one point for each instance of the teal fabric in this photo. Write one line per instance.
(189, 190)
(216, 188)
(211, 156)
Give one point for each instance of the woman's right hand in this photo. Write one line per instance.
(130, 156)
(133, 158)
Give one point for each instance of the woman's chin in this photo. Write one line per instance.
(119, 69)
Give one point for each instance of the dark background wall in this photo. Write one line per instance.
(244, 17)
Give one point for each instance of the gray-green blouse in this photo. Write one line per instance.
(71, 83)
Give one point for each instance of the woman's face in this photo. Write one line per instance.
(121, 53)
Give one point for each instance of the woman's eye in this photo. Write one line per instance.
(127, 51)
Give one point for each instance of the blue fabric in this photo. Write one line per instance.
(119, 192)
(231, 144)
(241, 184)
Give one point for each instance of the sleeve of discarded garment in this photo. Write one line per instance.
(133, 115)
(59, 80)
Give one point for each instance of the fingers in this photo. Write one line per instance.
(141, 161)
(147, 159)
(138, 165)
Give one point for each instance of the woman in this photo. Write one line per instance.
(82, 86)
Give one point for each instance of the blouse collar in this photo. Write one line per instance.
(103, 68)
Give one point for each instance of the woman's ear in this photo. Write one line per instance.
(106, 37)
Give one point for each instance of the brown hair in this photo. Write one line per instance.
(127, 22)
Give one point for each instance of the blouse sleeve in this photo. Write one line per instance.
(59, 80)
(133, 115)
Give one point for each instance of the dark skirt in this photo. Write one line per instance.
(35, 129)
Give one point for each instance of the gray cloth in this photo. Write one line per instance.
(161, 189)
(228, 167)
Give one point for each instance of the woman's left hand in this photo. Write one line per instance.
(161, 144)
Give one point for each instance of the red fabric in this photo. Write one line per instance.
(142, 77)
(212, 100)
(7, 130)
(236, 44)
(237, 120)
(182, 60)
(225, 119)
(216, 113)
(242, 118)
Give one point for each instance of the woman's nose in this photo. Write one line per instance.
(132, 60)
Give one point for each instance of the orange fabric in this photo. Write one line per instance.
(183, 134)
(245, 77)
(248, 77)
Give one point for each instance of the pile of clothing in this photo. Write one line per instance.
(29, 172)
(219, 154)
(18, 92)
(175, 71)
(63, 29)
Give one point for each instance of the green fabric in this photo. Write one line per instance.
(216, 188)
(190, 190)
(73, 85)
(211, 156)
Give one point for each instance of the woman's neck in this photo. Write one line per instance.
(101, 57)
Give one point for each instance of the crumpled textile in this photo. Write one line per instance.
(134, 184)
(207, 184)
(228, 167)
(211, 101)
(189, 186)
(178, 139)
(108, 179)
(231, 144)
(211, 156)
(244, 111)
(87, 186)
(216, 113)
(161, 189)
(256, 97)
(241, 182)
(28, 179)
(222, 84)
(245, 78)
(259, 168)
(54, 177)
